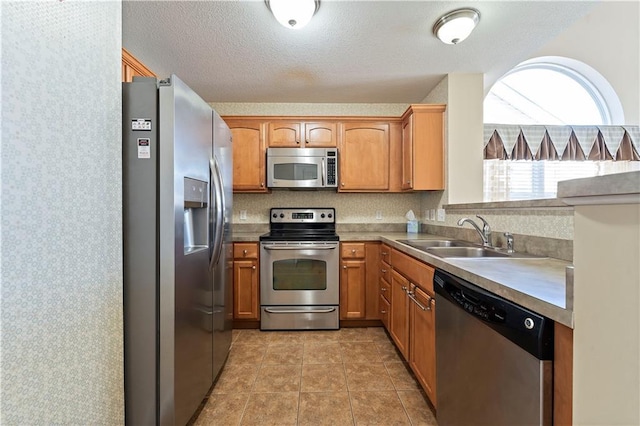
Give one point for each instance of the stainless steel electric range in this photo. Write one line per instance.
(299, 270)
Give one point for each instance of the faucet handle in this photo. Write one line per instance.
(485, 224)
(509, 238)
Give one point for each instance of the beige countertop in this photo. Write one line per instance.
(538, 284)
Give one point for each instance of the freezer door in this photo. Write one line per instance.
(222, 268)
(185, 285)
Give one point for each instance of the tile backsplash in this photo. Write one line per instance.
(350, 208)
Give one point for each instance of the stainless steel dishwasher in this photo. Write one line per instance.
(493, 358)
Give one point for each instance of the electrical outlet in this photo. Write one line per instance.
(440, 215)
(432, 214)
(243, 215)
(378, 215)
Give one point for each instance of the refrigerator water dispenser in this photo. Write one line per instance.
(196, 217)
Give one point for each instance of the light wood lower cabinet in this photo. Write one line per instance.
(422, 340)
(246, 290)
(563, 375)
(407, 308)
(399, 316)
(359, 280)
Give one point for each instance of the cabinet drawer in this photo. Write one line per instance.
(385, 271)
(385, 254)
(385, 307)
(245, 250)
(385, 290)
(417, 272)
(352, 250)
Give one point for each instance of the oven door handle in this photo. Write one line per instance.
(298, 248)
(299, 311)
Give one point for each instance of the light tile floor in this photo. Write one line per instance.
(351, 376)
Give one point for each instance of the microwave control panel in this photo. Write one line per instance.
(332, 179)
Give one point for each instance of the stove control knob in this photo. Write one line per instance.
(322, 215)
(281, 215)
(275, 215)
(330, 215)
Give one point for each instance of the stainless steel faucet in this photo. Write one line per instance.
(485, 232)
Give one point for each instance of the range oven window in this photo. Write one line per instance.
(299, 274)
(295, 171)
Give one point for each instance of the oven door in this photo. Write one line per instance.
(299, 273)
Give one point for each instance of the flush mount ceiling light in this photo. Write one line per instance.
(456, 25)
(293, 14)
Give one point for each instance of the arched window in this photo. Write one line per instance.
(540, 128)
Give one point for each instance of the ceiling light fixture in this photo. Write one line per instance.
(293, 14)
(456, 25)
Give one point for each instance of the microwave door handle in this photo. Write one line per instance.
(322, 163)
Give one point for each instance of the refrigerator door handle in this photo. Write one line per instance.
(217, 192)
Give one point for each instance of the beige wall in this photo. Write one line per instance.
(61, 306)
(608, 40)
(606, 337)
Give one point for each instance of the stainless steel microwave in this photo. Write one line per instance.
(302, 168)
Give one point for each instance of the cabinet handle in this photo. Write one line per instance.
(244, 252)
(404, 289)
(253, 267)
(344, 267)
(384, 271)
(412, 297)
(342, 184)
(383, 312)
(353, 251)
(261, 184)
(383, 289)
(384, 253)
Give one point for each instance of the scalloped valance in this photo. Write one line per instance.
(575, 143)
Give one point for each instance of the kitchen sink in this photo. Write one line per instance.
(425, 244)
(463, 249)
(476, 252)
(465, 252)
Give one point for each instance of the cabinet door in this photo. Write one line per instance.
(249, 172)
(399, 318)
(422, 337)
(284, 134)
(407, 152)
(246, 305)
(423, 147)
(320, 135)
(364, 157)
(352, 290)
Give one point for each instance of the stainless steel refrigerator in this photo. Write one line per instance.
(177, 200)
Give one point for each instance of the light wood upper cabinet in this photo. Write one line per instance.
(423, 147)
(364, 157)
(249, 155)
(297, 134)
(132, 67)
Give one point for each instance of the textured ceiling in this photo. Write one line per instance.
(351, 51)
